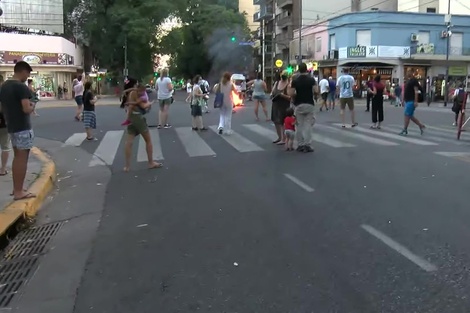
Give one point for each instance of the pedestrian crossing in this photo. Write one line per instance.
(255, 138)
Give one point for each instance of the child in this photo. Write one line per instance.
(289, 129)
(143, 98)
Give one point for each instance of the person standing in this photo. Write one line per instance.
(197, 103)
(78, 93)
(89, 115)
(411, 97)
(303, 89)
(369, 86)
(34, 96)
(377, 92)
(281, 102)
(17, 108)
(225, 87)
(4, 141)
(164, 92)
(346, 96)
(331, 93)
(259, 95)
(324, 85)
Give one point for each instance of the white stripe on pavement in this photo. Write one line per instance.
(431, 135)
(262, 131)
(299, 183)
(331, 142)
(350, 134)
(395, 137)
(453, 154)
(75, 140)
(157, 147)
(106, 151)
(425, 265)
(194, 145)
(239, 142)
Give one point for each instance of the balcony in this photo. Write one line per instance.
(284, 20)
(265, 13)
(283, 40)
(282, 4)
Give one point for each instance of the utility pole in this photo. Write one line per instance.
(448, 20)
(263, 49)
(300, 32)
(126, 71)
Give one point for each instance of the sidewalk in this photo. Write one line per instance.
(39, 180)
(54, 103)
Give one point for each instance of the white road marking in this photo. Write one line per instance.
(422, 263)
(376, 141)
(396, 137)
(194, 145)
(299, 183)
(453, 154)
(432, 135)
(331, 142)
(239, 142)
(75, 140)
(106, 151)
(157, 147)
(262, 131)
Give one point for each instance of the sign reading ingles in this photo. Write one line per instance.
(33, 58)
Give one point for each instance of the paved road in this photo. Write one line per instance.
(370, 222)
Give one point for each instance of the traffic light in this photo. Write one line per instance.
(155, 74)
(290, 70)
(233, 38)
(99, 78)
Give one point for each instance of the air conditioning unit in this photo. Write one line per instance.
(333, 54)
(414, 38)
(444, 34)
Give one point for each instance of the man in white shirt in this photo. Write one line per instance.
(164, 88)
(346, 96)
(324, 90)
(78, 93)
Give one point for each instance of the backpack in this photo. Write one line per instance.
(203, 87)
(458, 101)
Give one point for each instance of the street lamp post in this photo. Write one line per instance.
(126, 71)
(448, 34)
(299, 60)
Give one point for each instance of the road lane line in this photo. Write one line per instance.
(422, 263)
(75, 140)
(262, 131)
(299, 183)
(239, 142)
(194, 145)
(395, 137)
(330, 142)
(365, 138)
(157, 147)
(106, 151)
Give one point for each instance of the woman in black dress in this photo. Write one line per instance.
(281, 102)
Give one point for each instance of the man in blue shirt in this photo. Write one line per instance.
(332, 93)
(346, 97)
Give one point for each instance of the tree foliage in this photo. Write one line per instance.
(105, 25)
(203, 45)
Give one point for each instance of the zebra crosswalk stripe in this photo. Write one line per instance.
(194, 145)
(107, 149)
(350, 134)
(262, 131)
(75, 140)
(239, 142)
(157, 147)
(395, 137)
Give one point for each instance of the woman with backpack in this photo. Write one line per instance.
(459, 98)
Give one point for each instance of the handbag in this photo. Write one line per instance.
(219, 98)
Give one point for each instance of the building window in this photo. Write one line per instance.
(456, 44)
(363, 37)
(318, 44)
(423, 38)
(332, 42)
(430, 10)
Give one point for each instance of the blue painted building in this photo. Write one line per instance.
(393, 43)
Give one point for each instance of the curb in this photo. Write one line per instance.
(41, 187)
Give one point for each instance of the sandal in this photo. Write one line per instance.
(276, 141)
(4, 174)
(29, 195)
(155, 165)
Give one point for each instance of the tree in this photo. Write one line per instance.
(203, 44)
(106, 25)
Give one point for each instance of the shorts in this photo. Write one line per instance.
(196, 110)
(331, 96)
(324, 96)
(79, 100)
(259, 97)
(89, 119)
(138, 125)
(4, 140)
(164, 102)
(347, 101)
(290, 134)
(410, 108)
(22, 140)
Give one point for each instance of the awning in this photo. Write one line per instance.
(368, 64)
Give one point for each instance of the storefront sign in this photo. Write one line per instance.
(457, 71)
(394, 51)
(34, 58)
(362, 52)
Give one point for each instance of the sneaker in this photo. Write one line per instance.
(300, 148)
(167, 126)
(159, 126)
(404, 132)
(421, 129)
(307, 149)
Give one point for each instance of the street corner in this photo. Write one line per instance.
(41, 187)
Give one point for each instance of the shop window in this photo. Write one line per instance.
(332, 42)
(363, 37)
(423, 38)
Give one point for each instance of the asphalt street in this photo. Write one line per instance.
(369, 222)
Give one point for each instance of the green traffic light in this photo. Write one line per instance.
(290, 70)
(233, 38)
